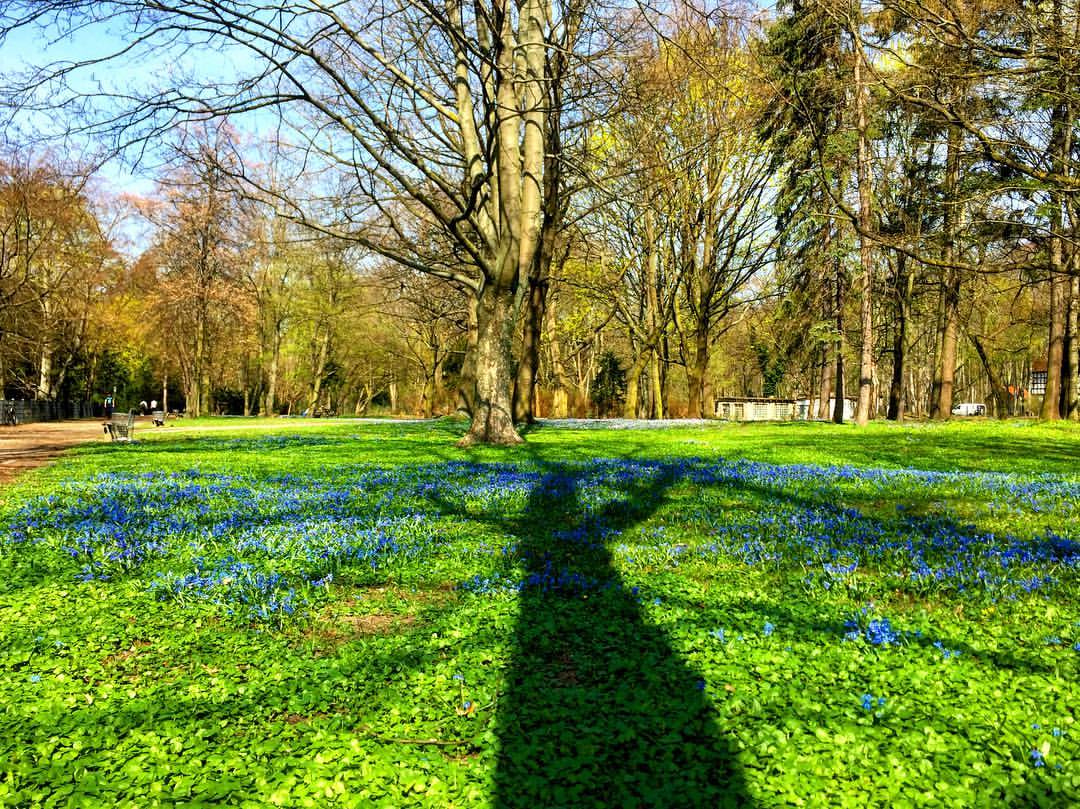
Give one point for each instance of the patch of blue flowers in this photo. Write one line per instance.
(875, 631)
(870, 703)
(268, 539)
(241, 589)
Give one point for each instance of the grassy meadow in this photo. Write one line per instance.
(358, 614)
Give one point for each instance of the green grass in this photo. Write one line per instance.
(665, 626)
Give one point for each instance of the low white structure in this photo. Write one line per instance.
(748, 408)
(807, 409)
(969, 409)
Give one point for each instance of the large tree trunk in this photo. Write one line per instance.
(632, 404)
(492, 421)
(696, 371)
(427, 398)
(866, 256)
(656, 386)
(554, 204)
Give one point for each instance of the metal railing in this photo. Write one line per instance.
(31, 410)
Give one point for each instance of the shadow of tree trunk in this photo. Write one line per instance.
(600, 710)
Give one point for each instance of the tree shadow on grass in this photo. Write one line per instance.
(599, 709)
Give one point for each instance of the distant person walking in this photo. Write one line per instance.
(109, 404)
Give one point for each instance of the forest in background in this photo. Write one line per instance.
(548, 209)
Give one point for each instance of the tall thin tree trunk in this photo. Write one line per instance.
(1071, 408)
(828, 360)
(949, 339)
(838, 346)
(997, 387)
(44, 387)
(466, 392)
(45, 357)
(1060, 285)
(194, 383)
(529, 363)
(320, 369)
(939, 331)
(1067, 349)
(904, 289)
(560, 404)
(866, 256)
(652, 301)
(270, 401)
(950, 322)
(825, 388)
(1060, 152)
(244, 385)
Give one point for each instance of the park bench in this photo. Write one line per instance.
(121, 426)
(159, 418)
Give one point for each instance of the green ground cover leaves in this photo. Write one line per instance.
(363, 615)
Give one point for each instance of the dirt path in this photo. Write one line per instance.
(29, 446)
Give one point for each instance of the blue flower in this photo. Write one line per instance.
(1037, 759)
(35, 678)
(768, 629)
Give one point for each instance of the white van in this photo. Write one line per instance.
(969, 409)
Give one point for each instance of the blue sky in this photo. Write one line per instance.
(141, 70)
